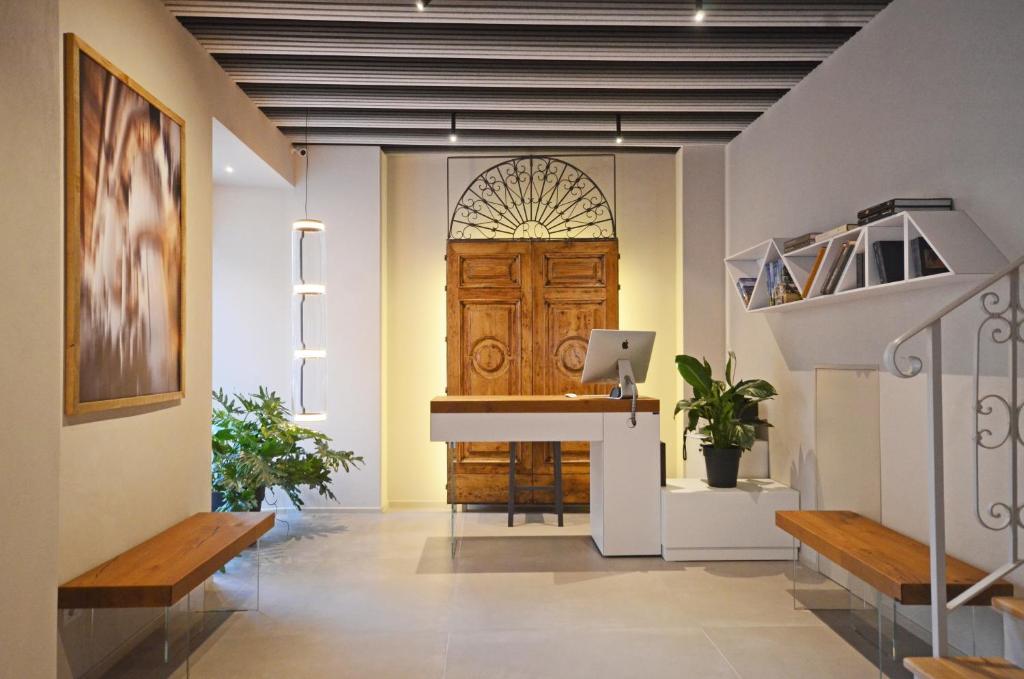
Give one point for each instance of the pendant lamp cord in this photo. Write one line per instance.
(306, 202)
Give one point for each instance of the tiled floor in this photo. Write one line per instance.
(377, 595)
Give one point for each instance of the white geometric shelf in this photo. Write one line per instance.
(957, 240)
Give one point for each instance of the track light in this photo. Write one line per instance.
(453, 136)
(698, 15)
(618, 129)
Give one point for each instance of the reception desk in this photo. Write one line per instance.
(625, 460)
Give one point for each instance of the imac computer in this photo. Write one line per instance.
(620, 356)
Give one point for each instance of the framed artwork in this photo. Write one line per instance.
(124, 239)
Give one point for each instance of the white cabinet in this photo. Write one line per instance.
(700, 523)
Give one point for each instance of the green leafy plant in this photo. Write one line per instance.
(256, 446)
(728, 409)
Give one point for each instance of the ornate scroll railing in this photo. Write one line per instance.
(531, 198)
(1001, 325)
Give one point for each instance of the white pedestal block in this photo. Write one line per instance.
(700, 523)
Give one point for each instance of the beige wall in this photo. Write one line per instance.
(414, 306)
(30, 332)
(127, 475)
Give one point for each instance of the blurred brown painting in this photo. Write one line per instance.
(130, 259)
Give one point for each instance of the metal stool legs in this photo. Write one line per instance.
(557, 455)
(556, 487)
(511, 482)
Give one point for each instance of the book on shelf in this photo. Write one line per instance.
(814, 272)
(835, 231)
(923, 259)
(745, 286)
(858, 261)
(798, 242)
(838, 267)
(782, 288)
(895, 205)
(888, 255)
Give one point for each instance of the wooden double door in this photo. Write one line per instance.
(519, 319)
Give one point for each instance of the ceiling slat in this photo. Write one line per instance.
(301, 96)
(526, 74)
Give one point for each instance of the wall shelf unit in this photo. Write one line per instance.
(956, 239)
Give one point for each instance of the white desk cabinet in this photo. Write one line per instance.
(700, 523)
(625, 461)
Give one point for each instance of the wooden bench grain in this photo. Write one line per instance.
(165, 568)
(892, 563)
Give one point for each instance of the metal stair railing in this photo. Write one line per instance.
(1002, 324)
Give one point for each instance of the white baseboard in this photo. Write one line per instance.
(727, 554)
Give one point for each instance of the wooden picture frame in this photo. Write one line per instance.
(124, 287)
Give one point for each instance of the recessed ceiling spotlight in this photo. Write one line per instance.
(698, 15)
(229, 169)
(618, 129)
(422, 4)
(453, 135)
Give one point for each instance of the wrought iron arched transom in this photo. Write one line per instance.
(532, 198)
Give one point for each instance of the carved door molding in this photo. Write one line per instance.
(519, 318)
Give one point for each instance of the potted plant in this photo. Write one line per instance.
(256, 446)
(729, 412)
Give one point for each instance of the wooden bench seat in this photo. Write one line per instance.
(165, 568)
(963, 668)
(892, 563)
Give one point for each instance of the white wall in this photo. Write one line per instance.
(30, 334)
(925, 100)
(252, 301)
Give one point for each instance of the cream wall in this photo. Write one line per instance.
(30, 332)
(414, 304)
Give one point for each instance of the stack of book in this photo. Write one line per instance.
(781, 287)
(835, 231)
(798, 242)
(746, 288)
(894, 205)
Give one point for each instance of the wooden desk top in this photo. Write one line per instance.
(891, 562)
(163, 569)
(540, 404)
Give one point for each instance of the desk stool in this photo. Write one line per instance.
(556, 487)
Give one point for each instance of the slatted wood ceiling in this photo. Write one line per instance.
(519, 72)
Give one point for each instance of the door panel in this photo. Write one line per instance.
(490, 310)
(575, 290)
(519, 317)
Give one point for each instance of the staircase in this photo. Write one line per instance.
(1002, 326)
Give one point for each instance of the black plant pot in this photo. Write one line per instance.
(723, 466)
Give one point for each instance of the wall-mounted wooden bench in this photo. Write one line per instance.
(163, 569)
(892, 563)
